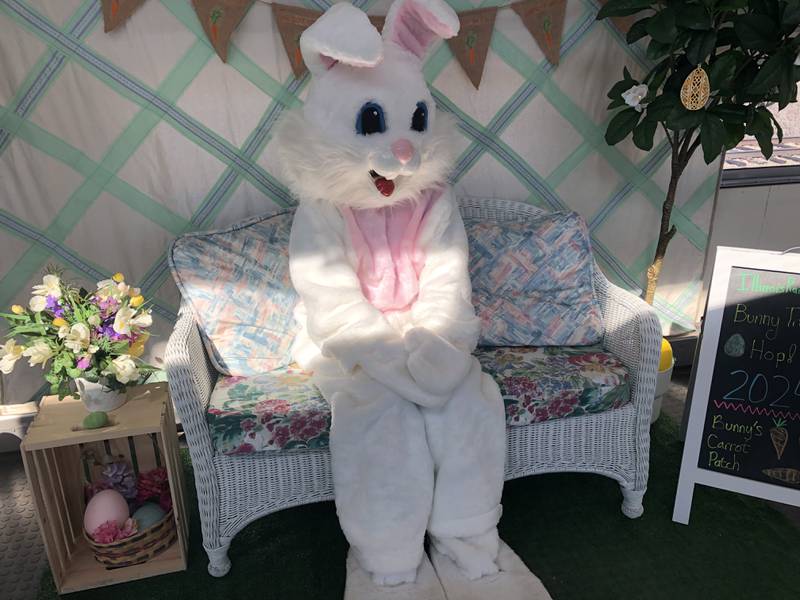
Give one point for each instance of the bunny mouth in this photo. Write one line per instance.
(383, 185)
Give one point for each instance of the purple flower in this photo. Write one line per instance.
(54, 306)
(84, 363)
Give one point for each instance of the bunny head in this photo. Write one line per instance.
(368, 135)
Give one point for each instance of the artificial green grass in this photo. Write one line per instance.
(567, 527)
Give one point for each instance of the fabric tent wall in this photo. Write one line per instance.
(113, 144)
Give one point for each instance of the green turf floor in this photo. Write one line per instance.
(567, 527)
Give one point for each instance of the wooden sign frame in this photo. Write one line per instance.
(727, 258)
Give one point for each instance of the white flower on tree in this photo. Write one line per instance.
(38, 354)
(50, 286)
(634, 96)
(10, 353)
(123, 369)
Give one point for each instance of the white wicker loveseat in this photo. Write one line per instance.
(233, 491)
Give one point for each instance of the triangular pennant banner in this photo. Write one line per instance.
(291, 22)
(544, 19)
(116, 12)
(472, 42)
(377, 21)
(623, 23)
(219, 19)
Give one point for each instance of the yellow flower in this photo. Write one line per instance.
(59, 322)
(137, 348)
(137, 300)
(118, 277)
(17, 309)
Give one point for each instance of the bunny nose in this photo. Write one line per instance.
(403, 151)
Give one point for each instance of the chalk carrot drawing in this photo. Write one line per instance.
(784, 474)
(215, 16)
(472, 40)
(114, 8)
(298, 56)
(547, 25)
(779, 436)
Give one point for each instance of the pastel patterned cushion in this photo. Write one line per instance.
(237, 283)
(282, 410)
(532, 282)
(540, 384)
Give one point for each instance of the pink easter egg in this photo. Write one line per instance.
(108, 505)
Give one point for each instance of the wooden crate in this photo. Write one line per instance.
(55, 457)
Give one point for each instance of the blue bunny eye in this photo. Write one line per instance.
(370, 119)
(419, 120)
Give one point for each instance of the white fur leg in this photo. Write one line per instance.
(512, 582)
(362, 585)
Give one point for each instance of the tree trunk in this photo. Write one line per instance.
(667, 231)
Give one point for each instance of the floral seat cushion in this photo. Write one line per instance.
(283, 410)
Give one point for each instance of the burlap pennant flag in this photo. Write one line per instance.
(219, 19)
(291, 22)
(471, 44)
(116, 12)
(623, 23)
(544, 19)
(377, 22)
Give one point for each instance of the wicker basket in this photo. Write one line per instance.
(138, 548)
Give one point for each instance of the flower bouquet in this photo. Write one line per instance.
(83, 336)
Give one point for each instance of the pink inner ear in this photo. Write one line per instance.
(414, 28)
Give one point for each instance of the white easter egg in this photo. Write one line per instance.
(108, 505)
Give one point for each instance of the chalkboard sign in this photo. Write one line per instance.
(744, 424)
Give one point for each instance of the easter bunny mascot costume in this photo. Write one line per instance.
(378, 255)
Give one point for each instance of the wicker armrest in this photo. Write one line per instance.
(633, 334)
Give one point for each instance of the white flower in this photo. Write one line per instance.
(37, 303)
(94, 320)
(92, 348)
(143, 319)
(51, 286)
(37, 354)
(634, 96)
(11, 353)
(122, 320)
(78, 338)
(123, 369)
(63, 331)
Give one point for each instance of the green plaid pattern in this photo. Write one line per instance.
(74, 174)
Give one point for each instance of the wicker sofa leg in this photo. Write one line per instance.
(632, 502)
(218, 562)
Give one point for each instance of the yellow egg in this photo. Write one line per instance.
(118, 277)
(695, 90)
(666, 355)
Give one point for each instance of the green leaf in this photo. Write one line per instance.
(622, 8)
(693, 16)
(660, 108)
(756, 32)
(712, 137)
(734, 133)
(621, 86)
(643, 134)
(701, 45)
(787, 88)
(726, 36)
(637, 31)
(761, 128)
(680, 118)
(791, 13)
(722, 70)
(769, 75)
(656, 49)
(661, 26)
(621, 125)
(778, 128)
(730, 113)
(730, 5)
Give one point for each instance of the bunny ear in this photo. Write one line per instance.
(415, 24)
(342, 34)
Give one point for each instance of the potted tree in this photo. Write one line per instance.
(717, 65)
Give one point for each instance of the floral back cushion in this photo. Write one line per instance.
(237, 283)
(532, 281)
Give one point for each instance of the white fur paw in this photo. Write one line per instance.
(390, 579)
(474, 557)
